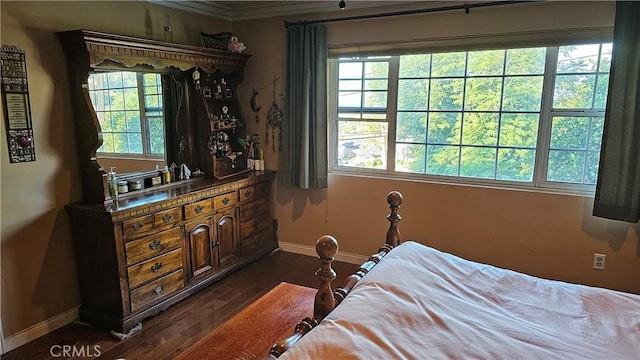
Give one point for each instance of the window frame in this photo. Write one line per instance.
(547, 113)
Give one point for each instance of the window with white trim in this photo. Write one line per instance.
(130, 111)
(530, 116)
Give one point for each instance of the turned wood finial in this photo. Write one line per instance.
(394, 199)
(327, 248)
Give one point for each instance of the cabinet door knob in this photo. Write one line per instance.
(166, 218)
(225, 201)
(158, 289)
(198, 209)
(137, 226)
(156, 267)
(247, 193)
(155, 244)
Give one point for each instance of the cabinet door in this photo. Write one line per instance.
(200, 234)
(227, 236)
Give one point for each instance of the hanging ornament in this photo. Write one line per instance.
(274, 118)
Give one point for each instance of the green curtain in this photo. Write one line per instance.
(618, 188)
(303, 159)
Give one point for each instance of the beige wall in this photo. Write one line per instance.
(38, 266)
(552, 236)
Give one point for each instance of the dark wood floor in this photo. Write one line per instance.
(183, 324)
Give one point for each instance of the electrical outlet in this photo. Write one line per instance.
(598, 261)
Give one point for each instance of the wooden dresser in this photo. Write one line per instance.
(152, 250)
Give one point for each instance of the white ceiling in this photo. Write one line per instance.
(235, 10)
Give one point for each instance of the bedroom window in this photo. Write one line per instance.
(129, 108)
(527, 116)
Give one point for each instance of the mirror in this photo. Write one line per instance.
(129, 106)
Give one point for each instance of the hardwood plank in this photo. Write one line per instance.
(173, 331)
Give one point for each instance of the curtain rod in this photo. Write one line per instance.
(466, 7)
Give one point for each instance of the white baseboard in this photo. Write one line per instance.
(39, 329)
(311, 251)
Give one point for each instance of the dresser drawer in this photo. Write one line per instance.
(252, 226)
(151, 246)
(226, 200)
(253, 192)
(166, 219)
(138, 227)
(154, 268)
(196, 209)
(254, 208)
(156, 290)
(254, 243)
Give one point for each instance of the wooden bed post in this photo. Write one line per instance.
(327, 248)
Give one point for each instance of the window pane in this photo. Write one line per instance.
(444, 128)
(595, 134)
(602, 88)
(569, 132)
(135, 143)
(412, 127)
(131, 99)
(480, 129)
(410, 158)
(375, 99)
(516, 164)
(565, 166)
(116, 100)
(104, 118)
(519, 130)
(119, 121)
(349, 99)
(375, 84)
(522, 93)
(156, 135)
(485, 62)
(120, 143)
(446, 94)
(152, 101)
(107, 143)
(578, 58)
(133, 121)
(413, 94)
(478, 162)
(129, 79)
(114, 80)
(377, 69)
(350, 70)
(448, 64)
(574, 91)
(350, 85)
(362, 144)
(443, 159)
(415, 65)
(483, 94)
(593, 162)
(525, 61)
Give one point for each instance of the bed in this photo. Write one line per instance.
(410, 301)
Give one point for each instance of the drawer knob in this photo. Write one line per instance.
(225, 201)
(137, 226)
(247, 193)
(256, 225)
(198, 209)
(166, 218)
(158, 289)
(156, 267)
(155, 244)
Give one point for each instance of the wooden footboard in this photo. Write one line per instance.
(326, 300)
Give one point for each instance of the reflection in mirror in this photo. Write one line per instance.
(129, 108)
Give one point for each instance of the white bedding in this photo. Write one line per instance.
(420, 303)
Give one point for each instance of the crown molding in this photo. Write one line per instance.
(249, 10)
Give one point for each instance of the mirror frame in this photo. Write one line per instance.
(88, 51)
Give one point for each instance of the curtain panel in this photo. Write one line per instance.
(618, 188)
(303, 159)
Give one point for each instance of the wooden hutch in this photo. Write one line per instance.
(153, 247)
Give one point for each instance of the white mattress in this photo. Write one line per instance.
(420, 303)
